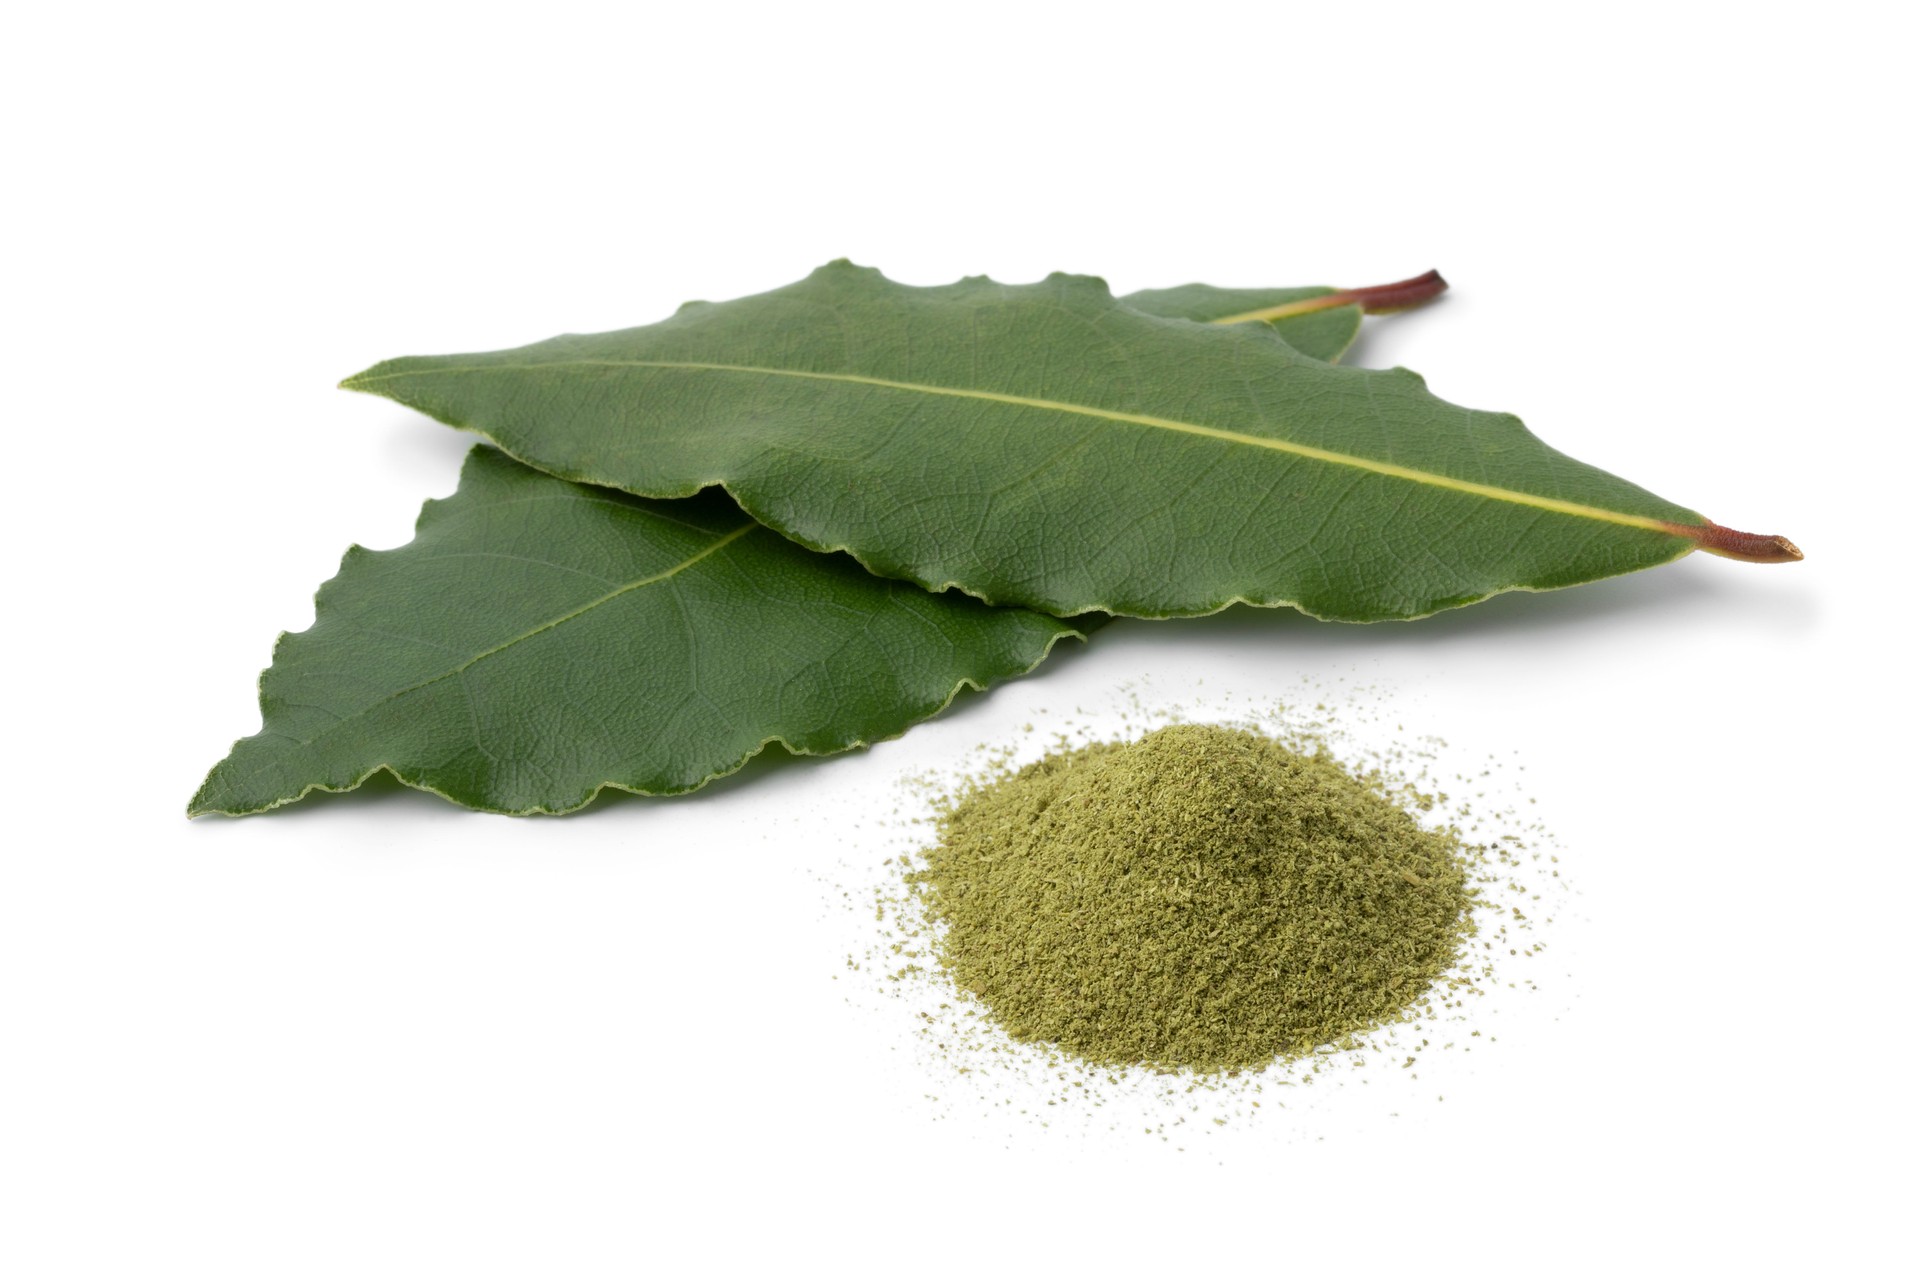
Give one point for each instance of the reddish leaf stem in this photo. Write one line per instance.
(1758, 548)
(1397, 296)
(1373, 299)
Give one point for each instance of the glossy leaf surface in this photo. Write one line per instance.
(539, 640)
(1050, 446)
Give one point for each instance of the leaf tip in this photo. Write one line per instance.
(202, 803)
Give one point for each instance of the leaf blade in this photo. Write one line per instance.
(942, 435)
(539, 641)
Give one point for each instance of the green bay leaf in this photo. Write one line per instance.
(539, 640)
(1050, 446)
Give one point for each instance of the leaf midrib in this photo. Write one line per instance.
(1332, 457)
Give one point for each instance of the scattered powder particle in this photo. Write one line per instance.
(1202, 899)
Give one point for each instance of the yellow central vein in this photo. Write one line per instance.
(1317, 454)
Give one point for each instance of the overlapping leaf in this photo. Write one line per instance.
(381, 680)
(1324, 335)
(1050, 446)
(539, 640)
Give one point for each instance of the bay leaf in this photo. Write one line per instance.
(1049, 446)
(540, 640)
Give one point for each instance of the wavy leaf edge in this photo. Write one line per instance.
(1073, 632)
(1697, 534)
(1078, 628)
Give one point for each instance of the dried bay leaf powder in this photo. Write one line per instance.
(1202, 899)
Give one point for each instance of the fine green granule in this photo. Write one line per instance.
(1203, 898)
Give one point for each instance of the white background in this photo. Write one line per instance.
(379, 1036)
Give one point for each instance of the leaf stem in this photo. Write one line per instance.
(1756, 548)
(1372, 299)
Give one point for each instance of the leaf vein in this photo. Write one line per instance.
(1314, 452)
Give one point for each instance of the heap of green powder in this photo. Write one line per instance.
(1203, 898)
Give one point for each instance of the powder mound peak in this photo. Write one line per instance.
(1187, 798)
(1202, 898)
